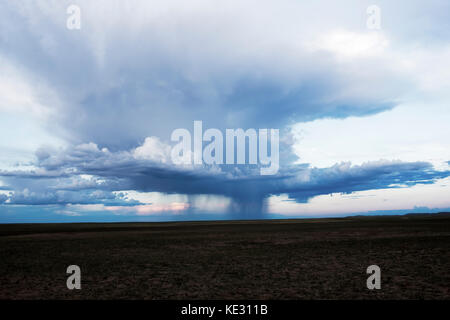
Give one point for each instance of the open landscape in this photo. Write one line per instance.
(271, 259)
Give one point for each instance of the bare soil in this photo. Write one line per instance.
(272, 259)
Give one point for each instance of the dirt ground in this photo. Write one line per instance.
(273, 259)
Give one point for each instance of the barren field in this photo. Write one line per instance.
(272, 259)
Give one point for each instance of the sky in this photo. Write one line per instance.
(361, 99)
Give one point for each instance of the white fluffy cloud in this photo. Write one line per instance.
(153, 149)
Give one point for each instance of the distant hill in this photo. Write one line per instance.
(438, 214)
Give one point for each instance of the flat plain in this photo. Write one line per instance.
(266, 259)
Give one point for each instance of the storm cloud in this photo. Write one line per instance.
(105, 99)
(58, 179)
(118, 80)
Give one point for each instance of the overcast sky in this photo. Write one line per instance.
(86, 115)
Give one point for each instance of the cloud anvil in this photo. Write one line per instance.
(91, 101)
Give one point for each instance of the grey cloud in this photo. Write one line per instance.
(3, 198)
(64, 197)
(118, 171)
(121, 80)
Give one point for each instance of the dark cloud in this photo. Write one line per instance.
(64, 197)
(118, 171)
(119, 80)
(3, 198)
(117, 84)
